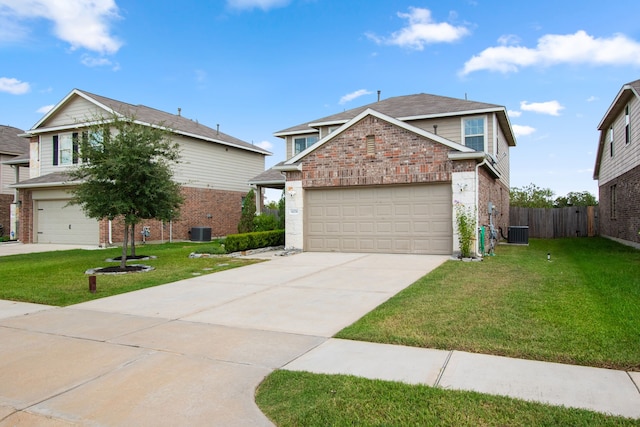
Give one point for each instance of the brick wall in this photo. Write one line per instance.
(399, 157)
(25, 215)
(5, 213)
(224, 207)
(494, 191)
(626, 222)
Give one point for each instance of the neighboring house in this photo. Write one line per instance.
(14, 163)
(214, 171)
(387, 177)
(617, 167)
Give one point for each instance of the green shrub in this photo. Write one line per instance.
(259, 239)
(265, 222)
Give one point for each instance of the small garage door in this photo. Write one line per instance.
(59, 223)
(392, 219)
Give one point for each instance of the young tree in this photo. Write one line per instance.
(126, 172)
(248, 213)
(531, 196)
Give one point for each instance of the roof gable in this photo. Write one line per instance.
(396, 122)
(627, 92)
(146, 116)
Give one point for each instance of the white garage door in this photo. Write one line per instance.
(58, 223)
(391, 219)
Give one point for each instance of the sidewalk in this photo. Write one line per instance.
(602, 390)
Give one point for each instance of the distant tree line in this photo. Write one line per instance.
(532, 196)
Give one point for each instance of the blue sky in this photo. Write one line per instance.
(258, 66)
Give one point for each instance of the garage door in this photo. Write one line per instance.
(58, 223)
(392, 219)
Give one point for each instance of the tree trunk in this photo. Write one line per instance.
(123, 259)
(133, 239)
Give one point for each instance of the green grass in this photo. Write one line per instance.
(58, 278)
(582, 307)
(304, 399)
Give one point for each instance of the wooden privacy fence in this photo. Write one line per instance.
(578, 221)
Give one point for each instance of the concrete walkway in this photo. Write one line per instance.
(193, 352)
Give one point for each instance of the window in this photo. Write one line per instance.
(627, 131)
(474, 133)
(611, 141)
(613, 201)
(301, 144)
(65, 149)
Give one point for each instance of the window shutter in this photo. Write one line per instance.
(74, 138)
(55, 150)
(85, 143)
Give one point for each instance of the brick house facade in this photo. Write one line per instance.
(617, 167)
(386, 177)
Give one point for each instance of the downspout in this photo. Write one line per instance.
(110, 234)
(477, 177)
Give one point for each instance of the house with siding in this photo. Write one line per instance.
(390, 176)
(617, 167)
(14, 164)
(214, 171)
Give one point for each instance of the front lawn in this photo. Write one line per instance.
(581, 307)
(58, 278)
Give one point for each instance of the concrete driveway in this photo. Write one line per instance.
(190, 352)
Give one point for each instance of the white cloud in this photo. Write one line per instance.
(516, 113)
(592, 98)
(14, 86)
(265, 145)
(421, 30)
(353, 95)
(552, 49)
(520, 130)
(550, 107)
(91, 61)
(253, 4)
(81, 23)
(45, 109)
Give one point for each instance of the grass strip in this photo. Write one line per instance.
(305, 399)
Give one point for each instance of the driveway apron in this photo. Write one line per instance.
(190, 352)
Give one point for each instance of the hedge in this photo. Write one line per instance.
(258, 239)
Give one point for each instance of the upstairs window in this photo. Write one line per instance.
(611, 141)
(627, 131)
(301, 144)
(65, 149)
(474, 133)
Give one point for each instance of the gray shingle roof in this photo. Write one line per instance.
(59, 178)
(404, 107)
(11, 143)
(176, 123)
(271, 178)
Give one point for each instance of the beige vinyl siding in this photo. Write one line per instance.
(502, 157)
(625, 156)
(8, 175)
(210, 165)
(448, 127)
(77, 110)
(46, 154)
